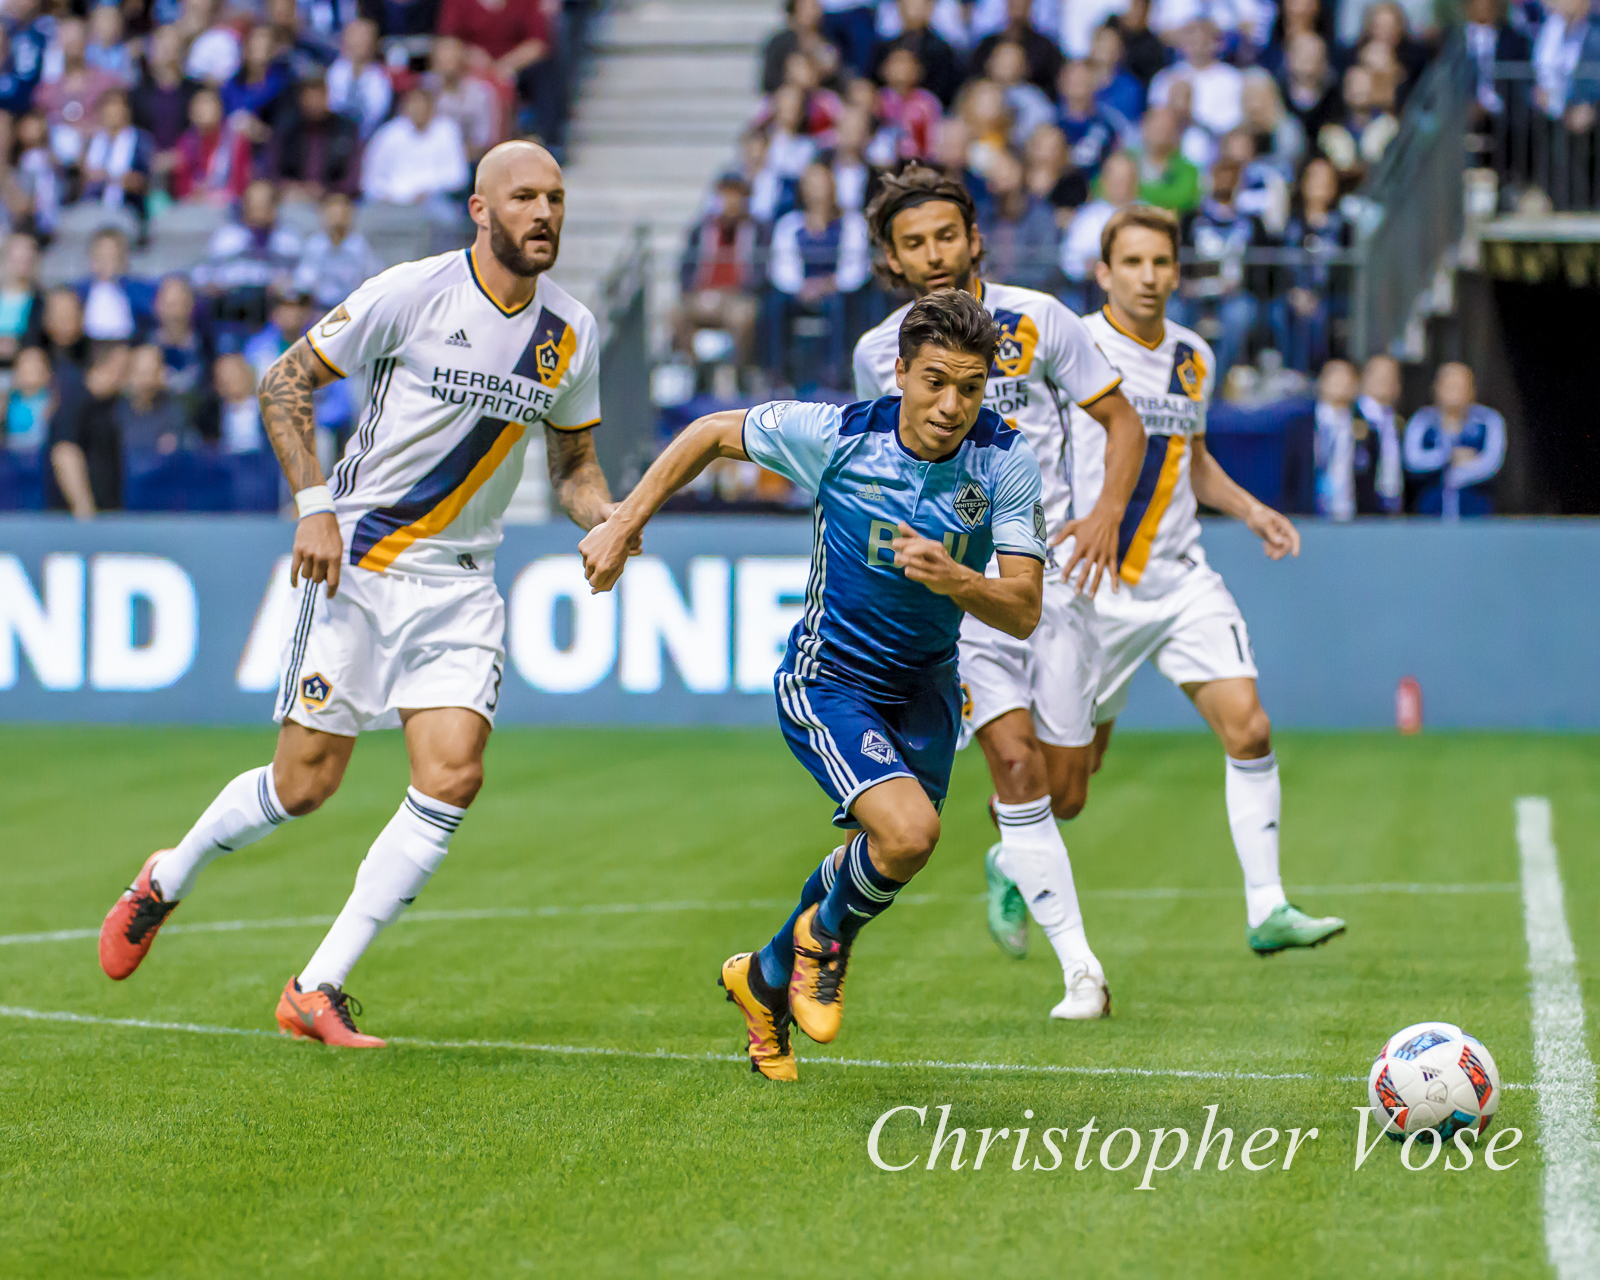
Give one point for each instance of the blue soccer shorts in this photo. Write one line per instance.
(850, 742)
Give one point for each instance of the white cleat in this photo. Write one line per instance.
(1087, 997)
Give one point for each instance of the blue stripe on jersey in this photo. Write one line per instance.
(1155, 457)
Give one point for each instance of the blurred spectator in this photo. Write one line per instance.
(417, 158)
(468, 100)
(1143, 51)
(161, 97)
(245, 257)
(983, 109)
(1116, 89)
(337, 260)
(1091, 130)
(940, 69)
(1455, 447)
(1262, 192)
(853, 176)
(1568, 37)
(511, 40)
(1029, 105)
(148, 417)
(1279, 139)
(1380, 397)
(358, 84)
(1355, 139)
(1302, 318)
(29, 402)
(1049, 174)
(214, 49)
(1295, 18)
(259, 92)
(184, 349)
(314, 149)
(85, 450)
(108, 47)
(37, 183)
(1310, 92)
(320, 21)
(28, 31)
(822, 106)
(64, 340)
(820, 254)
(789, 147)
(1167, 179)
(952, 152)
(907, 109)
(1338, 472)
(1491, 39)
(1019, 234)
(1217, 87)
(1385, 23)
(287, 320)
(1219, 290)
(212, 159)
(238, 413)
(116, 165)
(69, 102)
(1198, 144)
(16, 93)
(802, 33)
(771, 193)
(720, 275)
(21, 302)
(1080, 249)
(851, 26)
(115, 304)
(1041, 55)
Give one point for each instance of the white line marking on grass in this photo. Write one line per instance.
(1566, 1075)
(754, 904)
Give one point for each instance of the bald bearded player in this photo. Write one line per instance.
(396, 619)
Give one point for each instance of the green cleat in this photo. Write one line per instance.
(1286, 927)
(1008, 913)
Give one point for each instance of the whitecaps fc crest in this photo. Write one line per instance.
(970, 504)
(876, 747)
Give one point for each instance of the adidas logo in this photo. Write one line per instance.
(869, 491)
(458, 339)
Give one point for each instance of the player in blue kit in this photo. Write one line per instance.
(913, 494)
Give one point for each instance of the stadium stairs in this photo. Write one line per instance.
(671, 86)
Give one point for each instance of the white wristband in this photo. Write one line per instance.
(313, 500)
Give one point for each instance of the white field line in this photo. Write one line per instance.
(756, 904)
(601, 1051)
(1564, 1069)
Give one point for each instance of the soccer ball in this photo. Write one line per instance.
(1434, 1076)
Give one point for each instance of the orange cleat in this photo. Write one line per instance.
(323, 1014)
(766, 1020)
(131, 924)
(816, 990)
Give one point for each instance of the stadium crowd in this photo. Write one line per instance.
(126, 390)
(1253, 121)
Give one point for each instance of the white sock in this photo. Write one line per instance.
(1033, 854)
(401, 861)
(247, 809)
(1255, 803)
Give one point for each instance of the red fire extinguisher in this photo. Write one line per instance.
(1408, 706)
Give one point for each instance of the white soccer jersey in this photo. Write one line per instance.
(1170, 386)
(1047, 361)
(455, 382)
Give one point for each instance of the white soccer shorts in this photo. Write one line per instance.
(1053, 674)
(1194, 634)
(387, 642)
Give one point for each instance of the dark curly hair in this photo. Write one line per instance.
(913, 185)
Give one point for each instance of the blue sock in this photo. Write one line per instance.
(860, 892)
(777, 957)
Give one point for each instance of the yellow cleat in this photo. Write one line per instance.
(816, 991)
(768, 1027)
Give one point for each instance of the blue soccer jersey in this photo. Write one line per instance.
(865, 623)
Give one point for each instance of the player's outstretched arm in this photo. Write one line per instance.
(1216, 488)
(290, 423)
(575, 477)
(606, 548)
(1009, 603)
(1095, 549)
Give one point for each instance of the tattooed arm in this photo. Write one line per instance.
(575, 476)
(286, 416)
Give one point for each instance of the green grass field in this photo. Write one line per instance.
(134, 1151)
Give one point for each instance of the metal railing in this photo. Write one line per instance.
(1530, 148)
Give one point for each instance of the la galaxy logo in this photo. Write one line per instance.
(550, 351)
(1188, 372)
(970, 503)
(315, 691)
(333, 322)
(1019, 337)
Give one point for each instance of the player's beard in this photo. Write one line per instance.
(508, 251)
